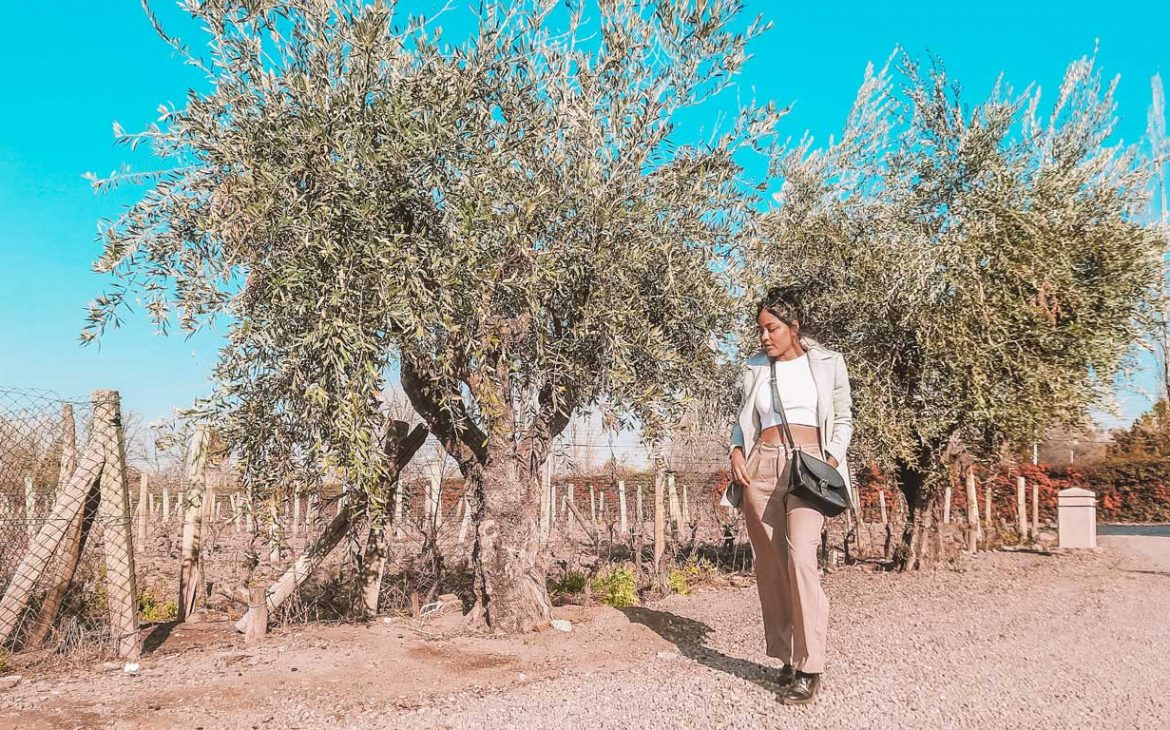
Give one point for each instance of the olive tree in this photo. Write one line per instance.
(509, 224)
(983, 268)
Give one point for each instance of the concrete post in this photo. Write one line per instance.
(1077, 518)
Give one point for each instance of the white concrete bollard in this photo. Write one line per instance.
(1076, 511)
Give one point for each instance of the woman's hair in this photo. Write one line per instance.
(782, 303)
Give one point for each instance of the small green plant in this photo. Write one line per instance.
(571, 581)
(152, 610)
(616, 587)
(695, 571)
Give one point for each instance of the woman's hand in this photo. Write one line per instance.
(739, 470)
(832, 461)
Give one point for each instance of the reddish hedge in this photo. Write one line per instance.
(1132, 490)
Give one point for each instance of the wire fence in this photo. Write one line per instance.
(94, 551)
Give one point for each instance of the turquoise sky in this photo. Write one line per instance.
(69, 69)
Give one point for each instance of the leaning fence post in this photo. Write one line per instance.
(947, 505)
(117, 535)
(190, 570)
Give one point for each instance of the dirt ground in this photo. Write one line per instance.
(1002, 640)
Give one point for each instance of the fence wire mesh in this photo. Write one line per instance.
(96, 551)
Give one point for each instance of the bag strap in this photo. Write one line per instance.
(778, 407)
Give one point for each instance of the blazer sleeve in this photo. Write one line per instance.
(842, 413)
(737, 438)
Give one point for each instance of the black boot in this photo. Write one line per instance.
(785, 677)
(802, 690)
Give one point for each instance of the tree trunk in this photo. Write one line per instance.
(912, 480)
(509, 571)
(374, 562)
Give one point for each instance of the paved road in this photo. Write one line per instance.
(1144, 530)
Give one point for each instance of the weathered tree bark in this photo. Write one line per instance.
(912, 480)
(502, 483)
(374, 560)
(507, 558)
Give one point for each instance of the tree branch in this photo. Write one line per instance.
(445, 414)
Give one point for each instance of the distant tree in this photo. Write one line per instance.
(1148, 436)
(984, 269)
(510, 224)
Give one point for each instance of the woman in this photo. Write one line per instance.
(785, 531)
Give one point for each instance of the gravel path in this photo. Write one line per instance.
(1005, 640)
(1014, 641)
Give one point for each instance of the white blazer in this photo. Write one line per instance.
(834, 404)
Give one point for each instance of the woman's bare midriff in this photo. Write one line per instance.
(800, 434)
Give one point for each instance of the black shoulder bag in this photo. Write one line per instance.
(816, 482)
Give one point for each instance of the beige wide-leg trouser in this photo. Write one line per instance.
(785, 533)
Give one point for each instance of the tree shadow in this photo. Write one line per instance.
(159, 633)
(690, 638)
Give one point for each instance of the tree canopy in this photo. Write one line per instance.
(509, 222)
(984, 268)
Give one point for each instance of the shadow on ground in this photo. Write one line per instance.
(690, 637)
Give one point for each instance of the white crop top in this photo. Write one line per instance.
(798, 394)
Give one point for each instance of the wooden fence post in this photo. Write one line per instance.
(641, 513)
(625, 526)
(465, 521)
(166, 503)
(117, 536)
(1021, 508)
(296, 519)
(190, 569)
(545, 502)
(68, 463)
(30, 509)
(1035, 511)
(397, 510)
(947, 505)
(258, 610)
(143, 507)
(659, 516)
(988, 491)
(686, 505)
(676, 523)
(972, 513)
(882, 503)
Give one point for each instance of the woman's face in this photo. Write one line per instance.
(776, 337)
